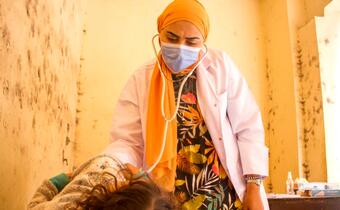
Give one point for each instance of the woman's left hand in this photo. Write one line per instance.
(252, 199)
(69, 175)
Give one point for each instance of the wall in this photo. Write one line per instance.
(281, 126)
(285, 128)
(113, 49)
(39, 76)
(311, 106)
(317, 61)
(328, 39)
(39, 64)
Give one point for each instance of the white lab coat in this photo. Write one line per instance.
(228, 108)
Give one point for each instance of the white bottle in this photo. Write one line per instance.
(290, 184)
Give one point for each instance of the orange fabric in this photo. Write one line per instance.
(188, 10)
(156, 125)
(165, 171)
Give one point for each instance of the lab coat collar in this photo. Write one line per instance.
(205, 74)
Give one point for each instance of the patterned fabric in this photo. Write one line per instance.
(85, 178)
(201, 182)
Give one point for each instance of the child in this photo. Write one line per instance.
(101, 183)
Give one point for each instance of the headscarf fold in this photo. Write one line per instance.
(185, 10)
(165, 171)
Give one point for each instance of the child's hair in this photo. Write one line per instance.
(135, 194)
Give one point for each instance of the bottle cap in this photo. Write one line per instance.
(290, 175)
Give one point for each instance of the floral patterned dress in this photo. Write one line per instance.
(201, 182)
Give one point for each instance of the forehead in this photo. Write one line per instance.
(183, 29)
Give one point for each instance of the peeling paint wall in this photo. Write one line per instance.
(328, 39)
(281, 129)
(40, 81)
(39, 65)
(284, 129)
(318, 57)
(310, 103)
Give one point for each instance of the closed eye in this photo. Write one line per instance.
(191, 43)
(172, 39)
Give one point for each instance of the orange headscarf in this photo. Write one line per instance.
(165, 171)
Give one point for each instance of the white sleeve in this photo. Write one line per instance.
(245, 119)
(126, 139)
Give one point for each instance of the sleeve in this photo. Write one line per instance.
(47, 190)
(126, 138)
(245, 119)
(43, 196)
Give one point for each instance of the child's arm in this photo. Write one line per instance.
(46, 192)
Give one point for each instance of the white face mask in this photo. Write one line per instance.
(179, 57)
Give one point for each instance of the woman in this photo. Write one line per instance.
(101, 183)
(189, 119)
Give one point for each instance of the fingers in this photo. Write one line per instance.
(70, 175)
(133, 169)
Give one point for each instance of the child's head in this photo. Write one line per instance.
(136, 194)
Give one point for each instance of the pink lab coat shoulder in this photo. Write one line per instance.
(228, 108)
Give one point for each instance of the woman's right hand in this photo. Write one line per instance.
(134, 170)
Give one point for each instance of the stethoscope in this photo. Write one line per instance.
(168, 119)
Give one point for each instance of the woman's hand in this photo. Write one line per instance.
(134, 170)
(69, 175)
(252, 199)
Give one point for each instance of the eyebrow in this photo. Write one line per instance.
(175, 35)
(172, 34)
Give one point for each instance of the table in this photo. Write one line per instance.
(305, 203)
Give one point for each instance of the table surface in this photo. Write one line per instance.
(304, 203)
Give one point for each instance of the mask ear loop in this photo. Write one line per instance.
(157, 59)
(169, 119)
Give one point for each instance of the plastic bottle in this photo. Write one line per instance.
(290, 184)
